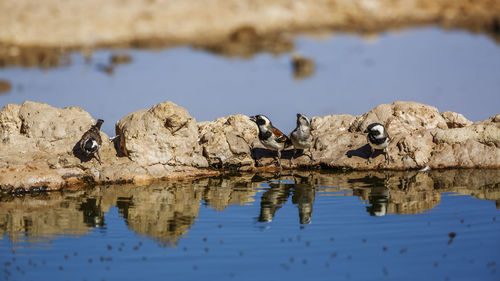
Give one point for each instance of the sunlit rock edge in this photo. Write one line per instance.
(38, 144)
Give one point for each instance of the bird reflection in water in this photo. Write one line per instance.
(276, 196)
(93, 216)
(379, 199)
(379, 193)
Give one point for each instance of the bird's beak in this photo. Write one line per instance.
(252, 118)
(365, 131)
(298, 115)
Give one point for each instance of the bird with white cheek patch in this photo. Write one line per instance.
(302, 137)
(91, 140)
(378, 139)
(271, 137)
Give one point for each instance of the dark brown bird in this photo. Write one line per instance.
(91, 141)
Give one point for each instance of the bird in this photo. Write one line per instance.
(378, 139)
(91, 140)
(301, 136)
(271, 137)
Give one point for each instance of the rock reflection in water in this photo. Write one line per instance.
(36, 219)
(166, 211)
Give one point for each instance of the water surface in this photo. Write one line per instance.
(442, 225)
(452, 70)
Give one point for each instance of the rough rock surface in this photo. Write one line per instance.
(39, 148)
(38, 144)
(420, 137)
(164, 135)
(455, 120)
(225, 141)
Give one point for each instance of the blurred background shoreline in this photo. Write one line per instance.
(36, 33)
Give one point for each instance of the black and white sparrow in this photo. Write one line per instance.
(302, 137)
(378, 140)
(91, 140)
(271, 137)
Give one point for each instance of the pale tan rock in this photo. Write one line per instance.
(225, 141)
(165, 134)
(488, 134)
(401, 117)
(416, 147)
(341, 144)
(332, 123)
(37, 144)
(468, 154)
(35, 126)
(39, 147)
(455, 120)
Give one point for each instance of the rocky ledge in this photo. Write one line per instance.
(38, 147)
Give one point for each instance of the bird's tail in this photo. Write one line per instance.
(99, 123)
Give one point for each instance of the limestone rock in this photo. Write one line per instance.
(225, 141)
(35, 126)
(38, 147)
(401, 117)
(488, 134)
(455, 120)
(165, 134)
(37, 144)
(470, 154)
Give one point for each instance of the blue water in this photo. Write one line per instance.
(226, 241)
(452, 70)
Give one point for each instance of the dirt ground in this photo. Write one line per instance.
(35, 32)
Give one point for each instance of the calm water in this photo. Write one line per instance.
(343, 226)
(452, 70)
